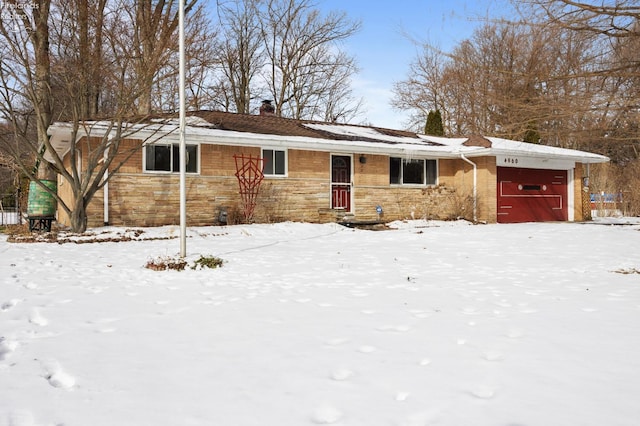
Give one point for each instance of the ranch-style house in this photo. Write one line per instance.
(322, 172)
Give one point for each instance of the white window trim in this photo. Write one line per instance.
(170, 172)
(286, 162)
(417, 185)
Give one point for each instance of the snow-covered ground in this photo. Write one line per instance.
(431, 323)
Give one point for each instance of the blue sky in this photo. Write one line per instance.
(384, 53)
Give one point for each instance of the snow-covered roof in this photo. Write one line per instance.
(214, 127)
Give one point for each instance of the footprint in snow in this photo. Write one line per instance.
(493, 355)
(402, 396)
(338, 341)
(9, 304)
(102, 324)
(6, 348)
(37, 319)
(326, 415)
(30, 285)
(482, 392)
(341, 374)
(57, 377)
(366, 349)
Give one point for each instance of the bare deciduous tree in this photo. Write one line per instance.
(201, 63)
(614, 75)
(508, 80)
(612, 19)
(302, 48)
(36, 80)
(241, 54)
(567, 74)
(154, 26)
(287, 52)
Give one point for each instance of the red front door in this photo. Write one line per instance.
(532, 195)
(341, 182)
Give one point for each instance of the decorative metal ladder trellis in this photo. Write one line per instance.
(249, 171)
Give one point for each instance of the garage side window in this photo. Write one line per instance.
(275, 162)
(166, 158)
(412, 172)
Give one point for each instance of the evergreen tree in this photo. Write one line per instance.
(434, 124)
(531, 135)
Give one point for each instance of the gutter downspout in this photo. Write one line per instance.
(475, 187)
(105, 190)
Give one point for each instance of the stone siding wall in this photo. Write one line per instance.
(458, 174)
(152, 199)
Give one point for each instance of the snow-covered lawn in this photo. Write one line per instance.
(431, 323)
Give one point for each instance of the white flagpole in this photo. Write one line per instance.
(183, 165)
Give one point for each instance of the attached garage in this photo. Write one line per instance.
(532, 195)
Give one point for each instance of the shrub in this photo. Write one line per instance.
(208, 262)
(165, 263)
(180, 264)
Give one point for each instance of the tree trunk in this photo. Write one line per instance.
(78, 217)
(85, 61)
(42, 83)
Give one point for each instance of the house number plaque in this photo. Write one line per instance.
(510, 160)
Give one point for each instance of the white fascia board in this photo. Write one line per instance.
(507, 147)
(531, 162)
(60, 134)
(558, 156)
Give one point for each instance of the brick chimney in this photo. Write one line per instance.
(267, 108)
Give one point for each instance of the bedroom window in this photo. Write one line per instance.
(166, 158)
(275, 162)
(412, 172)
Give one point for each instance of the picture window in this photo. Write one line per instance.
(166, 158)
(412, 171)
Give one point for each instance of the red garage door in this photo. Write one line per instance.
(531, 195)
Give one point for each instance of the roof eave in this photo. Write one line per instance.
(60, 139)
(61, 133)
(577, 156)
